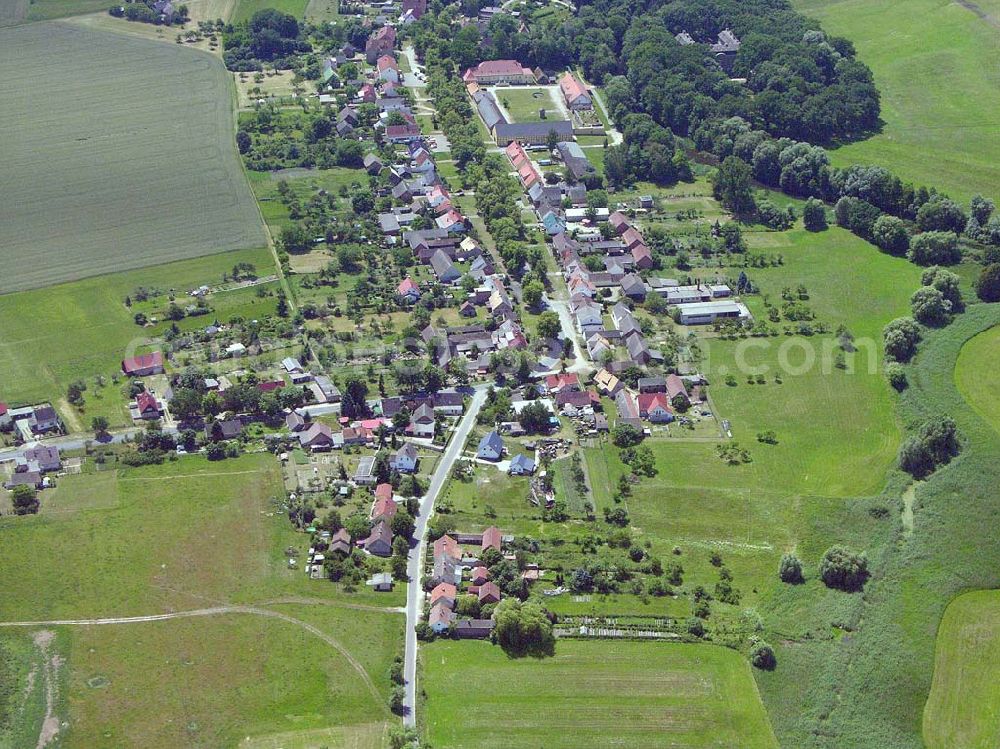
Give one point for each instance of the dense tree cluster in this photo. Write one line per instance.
(267, 36)
(843, 568)
(935, 444)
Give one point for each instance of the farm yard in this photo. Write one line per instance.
(949, 110)
(153, 157)
(961, 710)
(595, 694)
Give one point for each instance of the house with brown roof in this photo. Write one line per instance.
(479, 575)
(491, 538)
(474, 629)
(489, 593)
(379, 542)
(384, 507)
(380, 43)
(440, 618)
(340, 542)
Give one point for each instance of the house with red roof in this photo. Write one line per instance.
(562, 381)
(675, 387)
(388, 69)
(575, 93)
(495, 72)
(448, 547)
(632, 238)
(5, 417)
(144, 365)
(445, 592)
(479, 575)
(367, 94)
(147, 406)
(408, 290)
(655, 407)
(384, 507)
(491, 538)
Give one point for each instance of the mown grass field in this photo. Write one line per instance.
(51, 337)
(961, 712)
(247, 8)
(522, 103)
(593, 694)
(935, 66)
(117, 165)
(190, 535)
(211, 682)
(977, 374)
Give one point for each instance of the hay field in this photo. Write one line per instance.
(977, 374)
(935, 64)
(115, 153)
(593, 694)
(961, 712)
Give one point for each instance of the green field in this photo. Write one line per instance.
(247, 8)
(940, 91)
(593, 694)
(190, 535)
(977, 374)
(961, 711)
(89, 326)
(522, 103)
(117, 165)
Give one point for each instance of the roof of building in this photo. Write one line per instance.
(492, 442)
(492, 538)
(522, 462)
(143, 361)
(489, 589)
(649, 401)
(571, 87)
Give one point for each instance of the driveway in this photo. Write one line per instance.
(414, 566)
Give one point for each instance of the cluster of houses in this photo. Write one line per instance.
(656, 400)
(32, 464)
(423, 409)
(451, 564)
(30, 422)
(384, 509)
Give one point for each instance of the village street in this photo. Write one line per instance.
(414, 591)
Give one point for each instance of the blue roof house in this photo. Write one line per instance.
(522, 465)
(490, 447)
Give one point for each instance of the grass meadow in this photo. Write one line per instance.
(961, 711)
(51, 337)
(247, 8)
(935, 67)
(883, 643)
(186, 535)
(522, 103)
(594, 694)
(117, 166)
(977, 375)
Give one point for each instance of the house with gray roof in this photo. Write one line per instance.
(490, 447)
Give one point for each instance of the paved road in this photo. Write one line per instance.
(561, 308)
(79, 441)
(613, 133)
(414, 591)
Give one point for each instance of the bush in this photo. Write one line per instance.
(935, 248)
(889, 234)
(896, 376)
(25, 500)
(988, 283)
(929, 306)
(843, 569)
(948, 283)
(790, 569)
(762, 657)
(814, 215)
(901, 337)
(696, 627)
(941, 214)
(935, 444)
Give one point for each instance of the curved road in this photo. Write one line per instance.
(414, 567)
